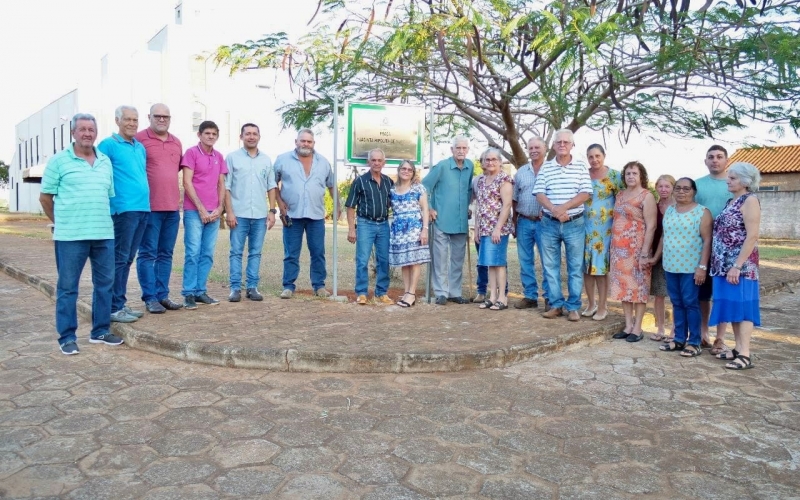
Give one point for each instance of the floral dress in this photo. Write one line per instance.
(599, 214)
(490, 204)
(628, 282)
(405, 248)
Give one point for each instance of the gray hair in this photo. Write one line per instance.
(81, 116)
(490, 151)
(537, 138)
(118, 112)
(748, 174)
(305, 131)
(459, 138)
(567, 132)
(376, 150)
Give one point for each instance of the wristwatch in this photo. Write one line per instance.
(273, 211)
(701, 266)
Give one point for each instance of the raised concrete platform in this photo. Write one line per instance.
(306, 334)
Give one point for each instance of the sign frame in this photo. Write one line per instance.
(390, 161)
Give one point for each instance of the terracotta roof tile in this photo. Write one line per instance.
(770, 159)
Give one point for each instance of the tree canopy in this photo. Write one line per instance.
(511, 69)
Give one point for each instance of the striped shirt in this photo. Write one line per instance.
(524, 180)
(562, 183)
(370, 199)
(81, 203)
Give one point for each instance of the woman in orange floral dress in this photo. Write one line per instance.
(631, 241)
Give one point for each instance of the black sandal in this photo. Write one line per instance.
(740, 363)
(498, 306)
(403, 303)
(672, 346)
(486, 304)
(691, 351)
(724, 355)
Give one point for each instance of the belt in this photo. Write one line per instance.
(572, 218)
(534, 219)
(377, 221)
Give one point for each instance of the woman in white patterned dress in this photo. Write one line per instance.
(408, 234)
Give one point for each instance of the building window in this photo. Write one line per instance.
(768, 188)
(26, 155)
(37, 149)
(54, 140)
(32, 157)
(62, 136)
(19, 155)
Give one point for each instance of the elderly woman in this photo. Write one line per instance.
(658, 281)
(734, 263)
(599, 211)
(408, 234)
(493, 225)
(631, 241)
(685, 249)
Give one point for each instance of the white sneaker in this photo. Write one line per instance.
(122, 317)
(286, 293)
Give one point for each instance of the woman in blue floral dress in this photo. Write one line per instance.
(408, 234)
(599, 210)
(734, 263)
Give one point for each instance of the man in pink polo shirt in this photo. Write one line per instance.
(154, 262)
(204, 172)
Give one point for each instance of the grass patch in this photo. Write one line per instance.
(777, 252)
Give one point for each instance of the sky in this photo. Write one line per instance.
(54, 44)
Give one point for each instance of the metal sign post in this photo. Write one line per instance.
(335, 214)
(430, 226)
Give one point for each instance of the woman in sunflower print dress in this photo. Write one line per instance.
(599, 211)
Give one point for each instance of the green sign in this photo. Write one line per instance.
(394, 128)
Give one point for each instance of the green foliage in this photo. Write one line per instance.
(344, 189)
(3, 173)
(507, 69)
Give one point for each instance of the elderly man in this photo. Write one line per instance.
(154, 262)
(369, 200)
(449, 186)
(712, 193)
(302, 176)
(130, 206)
(249, 182)
(76, 188)
(528, 221)
(562, 186)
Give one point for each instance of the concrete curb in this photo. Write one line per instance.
(294, 360)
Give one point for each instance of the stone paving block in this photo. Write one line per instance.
(592, 492)
(559, 469)
(60, 449)
(117, 460)
(312, 487)
(14, 362)
(374, 470)
(15, 439)
(356, 444)
(192, 491)
(464, 434)
(596, 451)
(185, 399)
(191, 418)
(377, 390)
(40, 398)
(332, 384)
(245, 452)
(633, 479)
(92, 388)
(36, 415)
(447, 414)
(249, 481)
(8, 391)
(118, 488)
(178, 472)
(150, 376)
(136, 411)
(133, 432)
(238, 388)
(340, 402)
(194, 383)
(487, 460)
(241, 406)
(61, 381)
(306, 460)
(393, 492)
(243, 428)
(41, 481)
(530, 441)
(76, 424)
(351, 421)
(86, 404)
(706, 486)
(407, 427)
(515, 488)
(444, 480)
(538, 408)
(423, 451)
(183, 443)
(393, 407)
(10, 463)
(148, 392)
(486, 402)
(503, 421)
(305, 434)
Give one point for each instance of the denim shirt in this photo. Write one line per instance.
(305, 196)
(449, 192)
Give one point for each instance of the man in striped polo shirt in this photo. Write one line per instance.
(561, 188)
(369, 201)
(75, 192)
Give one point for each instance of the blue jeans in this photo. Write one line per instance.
(293, 243)
(683, 294)
(154, 262)
(483, 276)
(128, 231)
(529, 234)
(199, 240)
(369, 234)
(573, 235)
(252, 230)
(70, 258)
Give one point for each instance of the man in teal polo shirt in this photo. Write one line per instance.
(76, 188)
(449, 185)
(130, 206)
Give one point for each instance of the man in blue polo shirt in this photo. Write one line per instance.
(130, 206)
(76, 187)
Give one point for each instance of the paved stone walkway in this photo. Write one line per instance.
(613, 421)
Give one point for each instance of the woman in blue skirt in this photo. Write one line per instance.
(734, 263)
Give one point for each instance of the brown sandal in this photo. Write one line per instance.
(719, 347)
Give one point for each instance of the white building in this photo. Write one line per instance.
(172, 67)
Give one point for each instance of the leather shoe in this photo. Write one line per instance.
(479, 298)
(153, 307)
(553, 313)
(546, 305)
(573, 316)
(621, 335)
(526, 303)
(169, 305)
(458, 300)
(384, 299)
(361, 300)
(235, 296)
(441, 300)
(252, 294)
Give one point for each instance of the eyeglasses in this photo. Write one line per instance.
(562, 143)
(405, 169)
(683, 188)
(161, 117)
(491, 160)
